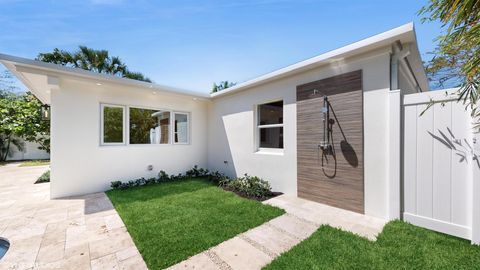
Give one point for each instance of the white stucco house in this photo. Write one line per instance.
(327, 129)
(106, 128)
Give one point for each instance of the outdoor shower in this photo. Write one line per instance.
(326, 145)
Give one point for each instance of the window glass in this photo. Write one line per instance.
(271, 113)
(149, 126)
(181, 128)
(113, 124)
(271, 137)
(270, 125)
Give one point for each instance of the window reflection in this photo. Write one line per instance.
(149, 126)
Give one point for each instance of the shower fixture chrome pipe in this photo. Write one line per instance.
(325, 144)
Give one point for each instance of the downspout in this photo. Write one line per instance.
(399, 57)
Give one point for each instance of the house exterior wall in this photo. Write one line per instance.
(80, 165)
(232, 130)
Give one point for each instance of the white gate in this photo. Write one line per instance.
(440, 164)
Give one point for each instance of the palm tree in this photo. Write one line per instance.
(222, 86)
(93, 60)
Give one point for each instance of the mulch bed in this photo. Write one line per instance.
(260, 199)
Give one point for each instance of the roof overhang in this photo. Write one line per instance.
(405, 34)
(41, 78)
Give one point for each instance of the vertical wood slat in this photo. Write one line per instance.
(425, 162)
(442, 143)
(410, 159)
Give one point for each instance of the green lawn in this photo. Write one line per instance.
(35, 163)
(399, 246)
(170, 222)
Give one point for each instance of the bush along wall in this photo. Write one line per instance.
(45, 177)
(247, 186)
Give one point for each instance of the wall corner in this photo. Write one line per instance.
(394, 155)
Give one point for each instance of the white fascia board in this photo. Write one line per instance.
(404, 33)
(47, 68)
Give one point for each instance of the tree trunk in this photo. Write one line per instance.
(7, 150)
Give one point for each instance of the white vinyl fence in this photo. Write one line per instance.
(441, 164)
(30, 152)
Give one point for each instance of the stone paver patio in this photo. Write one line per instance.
(259, 246)
(87, 233)
(72, 233)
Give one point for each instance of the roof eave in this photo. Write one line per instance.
(404, 33)
(13, 62)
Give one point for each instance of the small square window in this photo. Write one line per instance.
(270, 125)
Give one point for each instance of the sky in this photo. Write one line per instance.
(192, 44)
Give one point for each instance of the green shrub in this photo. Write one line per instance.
(116, 184)
(250, 186)
(150, 181)
(163, 177)
(218, 178)
(45, 177)
(196, 172)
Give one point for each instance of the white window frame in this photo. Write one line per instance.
(126, 125)
(102, 129)
(188, 127)
(258, 127)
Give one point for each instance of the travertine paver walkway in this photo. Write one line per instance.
(259, 246)
(73, 233)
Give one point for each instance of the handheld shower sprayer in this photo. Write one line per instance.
(326, 145)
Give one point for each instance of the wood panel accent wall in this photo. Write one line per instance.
(339, 182)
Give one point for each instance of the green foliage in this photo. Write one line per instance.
(399, 246)
(250, 186)
(176, 220)
(163, 176)
(222, 86)
(93, 60)
(45, 177)
(214, 177)
(141, 121)
(8, 144)
(197, 172)
(112, 124)
(20, 118)
(218, 178)
(247, 186)
(457, 56)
